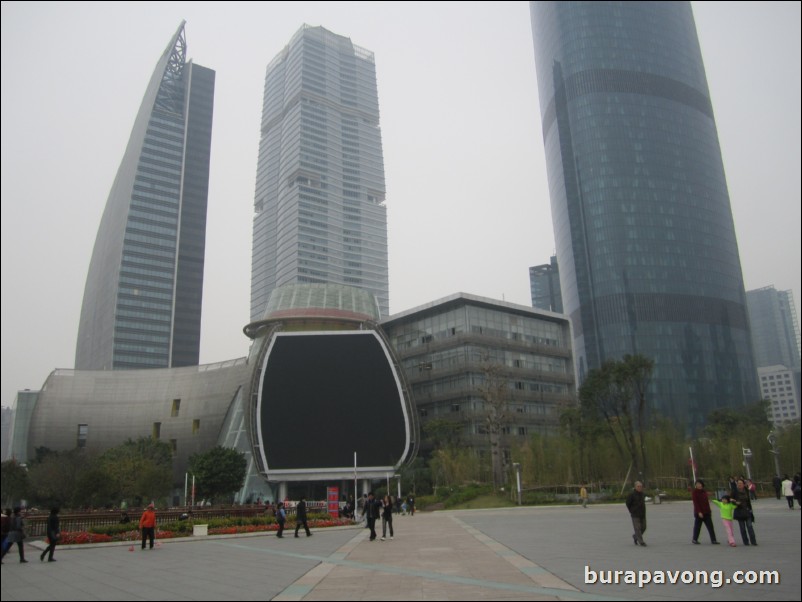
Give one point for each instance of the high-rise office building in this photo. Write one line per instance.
(781, 387)
(142, 301)
(644, 231)
(775, 329)
(544, 283)
(319, 201)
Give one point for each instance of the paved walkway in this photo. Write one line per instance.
(516, 554)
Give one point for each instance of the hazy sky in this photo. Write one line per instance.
(467, 197)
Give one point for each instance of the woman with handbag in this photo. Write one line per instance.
(53, 535)
(743, 513)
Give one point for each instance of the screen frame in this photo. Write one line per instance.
(337, 471)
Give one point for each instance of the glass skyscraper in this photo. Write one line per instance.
(144, 287)
(775, 328)
(544, 284)
(319, 213)
(642, 220)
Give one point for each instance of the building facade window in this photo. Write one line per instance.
(83, 433)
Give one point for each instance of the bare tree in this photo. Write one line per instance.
(616, 393)
(494, 392)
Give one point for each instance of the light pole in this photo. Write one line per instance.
(517, 467)
(747, 456)
(772, 439)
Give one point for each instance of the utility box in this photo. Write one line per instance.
(200, 530)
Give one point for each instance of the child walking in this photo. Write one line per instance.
(727, 509)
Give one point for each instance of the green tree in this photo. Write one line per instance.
(13, 482)
(54, 477)
(220, 472)
(585, 433)
(616, 393)
(727, 433)
(416, 477)
(443, 432)
(789, 442)
(140, 469)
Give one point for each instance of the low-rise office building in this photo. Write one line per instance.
(455, 349)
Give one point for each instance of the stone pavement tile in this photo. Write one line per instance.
(213, 568)
(563, 541)
(517, 554)
(431, 557)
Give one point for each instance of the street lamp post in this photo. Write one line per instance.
(747, 457)
(772, 439)
(517, 467)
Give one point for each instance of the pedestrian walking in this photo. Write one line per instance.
(744, 514)
(387, 516)
(372, 511)
(4, 528)
(636, 504)
(777, 482)
(583, 494)
(300, 517)
(702, 513)
(281, 518)
(411, 504)
(16, 534)
(53, 535)
(788, 491)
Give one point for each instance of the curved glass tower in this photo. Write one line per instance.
(644, 231)
(319, 213)
(142, 301)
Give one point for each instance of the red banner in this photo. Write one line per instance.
(333, 498)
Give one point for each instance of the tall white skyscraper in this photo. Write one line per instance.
(319, 213)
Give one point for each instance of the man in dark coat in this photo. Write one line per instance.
(636, 504)
(300, 517)
(372, 512)
(53, 535)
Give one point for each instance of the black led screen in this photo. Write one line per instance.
(326, 396)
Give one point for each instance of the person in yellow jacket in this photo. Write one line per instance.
(727, 509)
(148, 525)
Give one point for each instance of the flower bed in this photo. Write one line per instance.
(74, 537)
(81, 537)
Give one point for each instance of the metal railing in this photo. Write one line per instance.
(36, 522)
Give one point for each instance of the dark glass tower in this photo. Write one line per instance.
(142, 301)
(319, 213)
(644, 231)
(544, 282)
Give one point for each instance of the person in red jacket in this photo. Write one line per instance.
(148, 525)
(701, 513)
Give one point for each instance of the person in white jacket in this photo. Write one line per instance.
(788, 491)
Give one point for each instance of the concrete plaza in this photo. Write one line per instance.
(513, 554)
